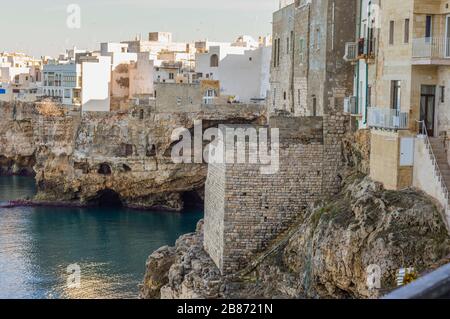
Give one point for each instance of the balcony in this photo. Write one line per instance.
(361, 50)
(351, 51)
(386, 118)
(431, 51)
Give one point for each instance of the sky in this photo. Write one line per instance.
(39, 27)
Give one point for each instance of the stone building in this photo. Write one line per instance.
(245, 211)
(309, 76)
(402, 73)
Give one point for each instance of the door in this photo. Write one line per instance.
(427, 108)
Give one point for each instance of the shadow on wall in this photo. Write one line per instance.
(97, 105)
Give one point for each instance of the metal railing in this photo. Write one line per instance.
(437, 169)
(431, 48)
(351, 51)
(383, 117)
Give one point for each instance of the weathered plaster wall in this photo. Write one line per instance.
(385, 160)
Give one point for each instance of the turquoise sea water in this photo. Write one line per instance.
(110, 245)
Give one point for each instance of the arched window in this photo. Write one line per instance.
(214, 61)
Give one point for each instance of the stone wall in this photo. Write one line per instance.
(245, 210)
(312, 77)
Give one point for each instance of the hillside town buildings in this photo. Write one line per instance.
(20, 77)
(236, 71)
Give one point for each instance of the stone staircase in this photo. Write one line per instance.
(440, 154)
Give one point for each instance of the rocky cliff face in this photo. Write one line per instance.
(325, 255)
(17, 148)
(122, 157)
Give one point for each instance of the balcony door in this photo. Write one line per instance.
(427, 107)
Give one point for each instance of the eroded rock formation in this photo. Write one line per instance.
(79, 158)
(325, 255)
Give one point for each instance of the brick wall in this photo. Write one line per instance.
(245, 210)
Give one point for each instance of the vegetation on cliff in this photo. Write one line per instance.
(325, 255)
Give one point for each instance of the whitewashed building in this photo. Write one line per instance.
(61, 82)
(95, 87)
(242, 68)
(20, 77)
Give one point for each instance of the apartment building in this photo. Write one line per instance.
(242, 68)
(309, 76)
(62, 82)
(401, 56)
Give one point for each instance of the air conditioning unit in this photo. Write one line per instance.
(351, 51)
(350, 105)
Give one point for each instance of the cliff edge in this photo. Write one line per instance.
(326, 253)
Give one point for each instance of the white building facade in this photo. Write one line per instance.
(61, 82)
(242, 68)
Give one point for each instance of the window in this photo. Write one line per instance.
(278, 52)
(406, 36)
(209, 96)
(214, 63)
(274, 54)
(391, 32)
(274, 96)
(292, 41)
(429, 27)
(171, 76)
(442, 94)
(318, 35)
(314, 110)
(396, 95)
(301, 49)
(299, 96)
(284, 95)
(288, 46)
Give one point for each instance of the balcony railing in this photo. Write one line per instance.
(431, 48)
(351, 51)
(387, 118)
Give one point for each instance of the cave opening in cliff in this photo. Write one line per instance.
(107, 198)
(192, 200)
(104, 169)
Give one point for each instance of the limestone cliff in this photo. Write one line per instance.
(116, 156)
(17, 148)
(324, 255)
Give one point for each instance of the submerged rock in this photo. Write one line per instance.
(326, 255)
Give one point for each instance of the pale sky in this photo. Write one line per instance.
(38, 27)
